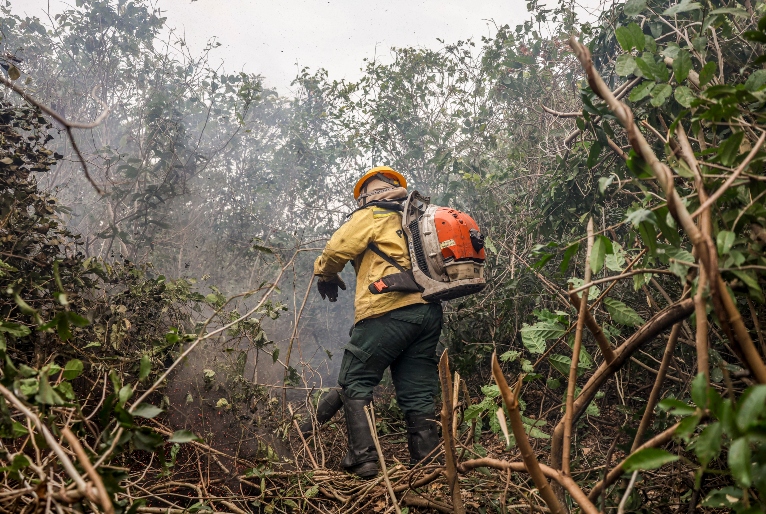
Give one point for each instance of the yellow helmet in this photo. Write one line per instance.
(393, 175)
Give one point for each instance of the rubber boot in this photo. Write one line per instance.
(422, 437)
(362, 458)
(328, 405)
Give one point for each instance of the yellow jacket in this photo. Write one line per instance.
(350, 242)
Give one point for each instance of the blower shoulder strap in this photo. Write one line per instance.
(383, 255)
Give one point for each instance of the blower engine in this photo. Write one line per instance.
(446, 249)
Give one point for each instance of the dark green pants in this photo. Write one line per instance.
(404, 339)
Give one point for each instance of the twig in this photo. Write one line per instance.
(510, 398)
(621, 508)
(659, 440)
(657, 388)
(621, 276)
(721, 190)
(567, 443)
(303, 439)
(82, 486)
(647, 332)
(105, 500)
(68, 125)
(449, 447)
(294, 335)
(370, 415)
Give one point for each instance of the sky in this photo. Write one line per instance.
(276, 38)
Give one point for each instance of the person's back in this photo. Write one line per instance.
(397, 329)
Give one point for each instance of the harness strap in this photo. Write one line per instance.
(383, 255)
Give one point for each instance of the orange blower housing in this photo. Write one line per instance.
(446, 249)
(454, 230)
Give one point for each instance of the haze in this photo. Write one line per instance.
(277, 39)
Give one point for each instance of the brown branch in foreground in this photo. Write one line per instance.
(510, 398)
(566, 482)
(572, 383)
(450, 472)
(646, 333)
(728, 315)
(103, 496)
(67, 124)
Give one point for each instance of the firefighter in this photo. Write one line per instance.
(399, 330)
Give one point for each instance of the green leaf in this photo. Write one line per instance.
(622, 314)
(751, 407)
(46, 394)
(709, 443)
(145, 367)
(740, 462)
(724, 497)
(630, 37)
(749, 279)
(648, 458)
(72, 369)
(756, 80)
(124, 394)
(682, 6)
(707, 73)
(699, 391)
(634, 7)
(679, 254)
(637, 36)
(684, 96)
(14, 329)
(13, 72)
(147, 411)
(725, 240)
(671, 50)
(736, 11)
(646, 68)
(687, 426)
(641, 91)
(682, 65)
(660, 94)
(77, 320)
(597, 254)
(568, 254)
(560, 363)
(728, 151)
(534, 336)
(638, 216)
(183, 436)
(625, 65)
(593, 154)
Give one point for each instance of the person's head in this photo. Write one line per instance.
(379, 179)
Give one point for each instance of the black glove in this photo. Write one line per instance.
(328, 287)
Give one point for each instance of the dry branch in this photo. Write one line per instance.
(572, 383)
(449, 446)
(646, 333)
(510, 398)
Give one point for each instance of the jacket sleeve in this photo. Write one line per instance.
(349, 241)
